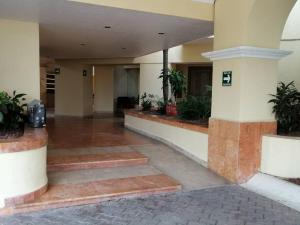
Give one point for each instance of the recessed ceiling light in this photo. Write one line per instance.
(107, 27)
(161, 33)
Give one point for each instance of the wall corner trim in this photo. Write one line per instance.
(246, 52)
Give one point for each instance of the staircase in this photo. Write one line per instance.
(78, 179)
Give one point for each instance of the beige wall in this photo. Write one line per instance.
(188, 53)
(280, 156)
(246, 100)
(151, 65)
(191, 143)
(182, 8)
(19, 58)
(22, 173)
(149, 81)
(244, 22)
(289, 67)
(104, 89)
(72, 90)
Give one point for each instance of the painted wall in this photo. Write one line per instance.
(193, 144)
(19, 58)
(104, 89)
(280, 156)
(151, 65)
(22, 173)
(253, 80)
(72, 90)
(182, 8)
(289, 67)
(149, 81)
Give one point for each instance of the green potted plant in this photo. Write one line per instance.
(146, 101)
(196, 108)
(176, 79)
(12, 116)
(286, 107)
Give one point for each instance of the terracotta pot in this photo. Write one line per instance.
(171, 110)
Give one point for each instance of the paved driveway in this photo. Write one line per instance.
(227, 205)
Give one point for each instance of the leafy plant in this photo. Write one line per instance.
(287, 107)
(161, 106)
(11, 112)
(146, 101)
(176, 79)
(195, 108)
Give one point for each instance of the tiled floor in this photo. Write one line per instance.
(71, 132)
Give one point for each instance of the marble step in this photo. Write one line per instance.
(65, 195)
(91, 161)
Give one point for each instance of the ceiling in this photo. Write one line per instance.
(76, 30)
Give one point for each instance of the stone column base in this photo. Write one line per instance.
(234, 150)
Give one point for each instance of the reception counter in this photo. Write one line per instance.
(23, 174)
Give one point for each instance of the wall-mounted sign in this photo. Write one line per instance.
(84, 73)
(227, 78)
(57, 70)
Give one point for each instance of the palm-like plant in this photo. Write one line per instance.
(176, 79)
(287, 107)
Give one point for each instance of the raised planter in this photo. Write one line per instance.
(23, 175)
(190, 139)
(281, 156)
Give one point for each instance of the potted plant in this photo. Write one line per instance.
(286, 107)
(146, 101)
(176, 79)
(12, 116)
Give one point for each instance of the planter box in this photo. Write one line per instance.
(189, 139)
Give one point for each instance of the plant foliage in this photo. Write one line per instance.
(286, 107)
(176, 79)
(146, 101)
(11, 111)
(195, 108)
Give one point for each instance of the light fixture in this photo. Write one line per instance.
(107, 27)
(82, 44)
(161, 33)
(124, 48)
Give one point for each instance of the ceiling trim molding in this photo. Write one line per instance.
(246, 52)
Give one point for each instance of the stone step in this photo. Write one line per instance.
(91, 161)
(65, 195)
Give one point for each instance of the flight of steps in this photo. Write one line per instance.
(78, 179)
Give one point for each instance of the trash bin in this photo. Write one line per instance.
(36, 114)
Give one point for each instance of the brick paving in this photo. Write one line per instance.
(227, 205)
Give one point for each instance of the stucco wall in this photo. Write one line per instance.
(22, 173)
(281, 156)
(19, 58)
(289, 67)
(192, 143)
(149, 81)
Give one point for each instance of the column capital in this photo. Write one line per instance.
(246, 52)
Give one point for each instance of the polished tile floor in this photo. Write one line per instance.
(72, 132)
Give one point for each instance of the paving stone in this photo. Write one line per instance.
(227, 205)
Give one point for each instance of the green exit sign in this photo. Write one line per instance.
(227, 78)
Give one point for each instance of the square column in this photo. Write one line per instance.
(241, 114)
